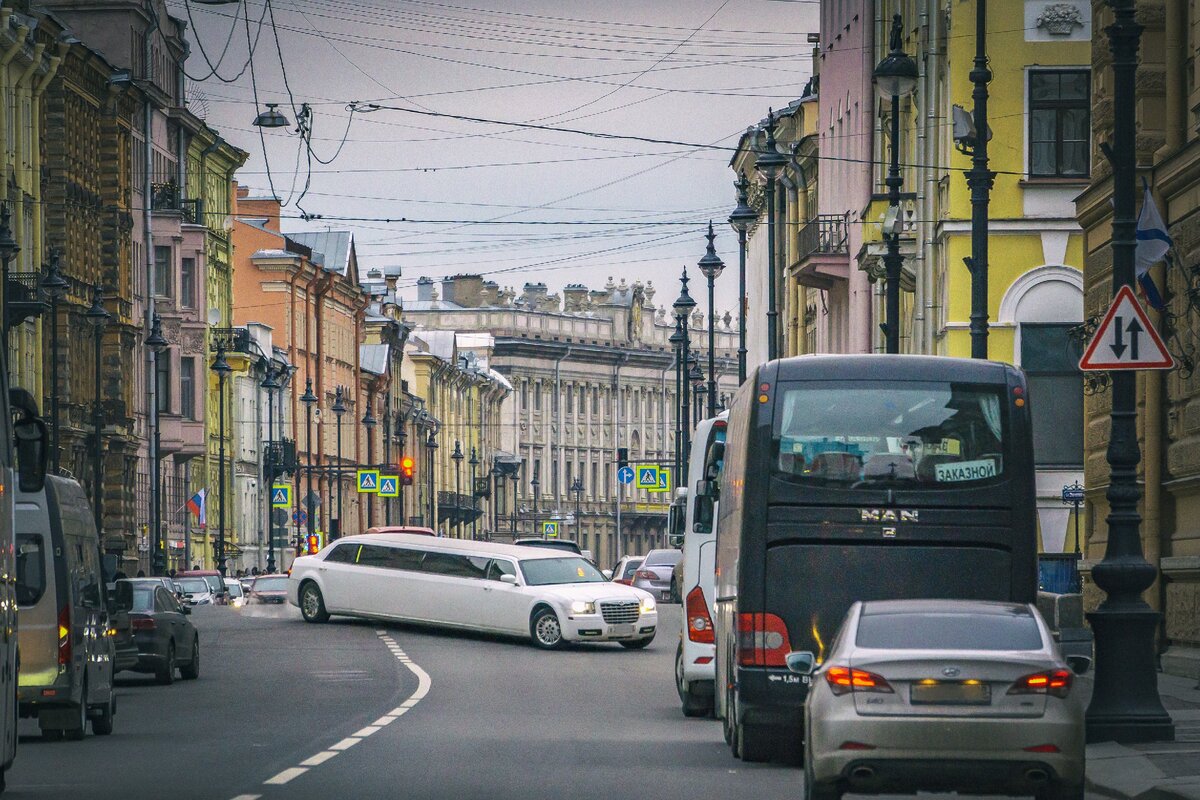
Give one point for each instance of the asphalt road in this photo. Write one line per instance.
(283, 709)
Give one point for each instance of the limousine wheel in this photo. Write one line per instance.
(546, 629)
(312, 604)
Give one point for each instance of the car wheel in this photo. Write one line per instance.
(102, 725)
(79, 728)
(312, 604)
(637, 644)
(1061, 791)
(818, 791)
(165, 675)
(546, 629)
(694, 705)
(191, 670)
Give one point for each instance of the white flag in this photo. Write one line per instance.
(1153, 241)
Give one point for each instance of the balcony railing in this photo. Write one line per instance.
(235, 340)
(824, 235)
(24, 297)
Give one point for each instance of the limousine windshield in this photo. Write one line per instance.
(546, 571)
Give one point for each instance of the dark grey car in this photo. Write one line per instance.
(655, 574)
(166, 639)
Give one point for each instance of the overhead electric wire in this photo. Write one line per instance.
(213, 73)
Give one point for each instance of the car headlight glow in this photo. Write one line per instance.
(583, 607)
(647, 605)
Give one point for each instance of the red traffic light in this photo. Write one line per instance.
(406, 470)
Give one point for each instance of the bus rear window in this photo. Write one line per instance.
(854, 434)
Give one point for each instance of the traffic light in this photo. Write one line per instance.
(406, 471)
(314, 544)
(622, 457)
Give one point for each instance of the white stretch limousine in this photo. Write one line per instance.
(550, 596)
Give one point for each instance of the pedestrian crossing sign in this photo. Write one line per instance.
(664, 481)
(550, 530)
(647, 477)
(389, 485)
(368, 480)
(281, 496)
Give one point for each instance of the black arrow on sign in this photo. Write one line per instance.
(1135, 328)
(1119, 348)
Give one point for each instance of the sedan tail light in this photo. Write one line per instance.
(843, 680)
(1056, 683)
(646, 575)
(762, 641)
(699, 621)
(143, 623)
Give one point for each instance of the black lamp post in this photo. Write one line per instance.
(676, 339)
(158, 557)
(269, 385)
(221, 367)
(55, 286)
(1125, 705)
(980, 180)
(711, 266)
(309, 400)
(369, 422)
(98, 316)
(534, 483)
(8, 251)
(431, 445)
(474, 462)
(457, 455)
(696, 379)
(339, 408)
(895, 77)
(516, 477)
(741, 218)
(770, 162)
(683, 308)
(577, 488)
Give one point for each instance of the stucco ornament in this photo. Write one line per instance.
(1060, 19)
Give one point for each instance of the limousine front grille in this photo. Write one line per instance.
(619, 613)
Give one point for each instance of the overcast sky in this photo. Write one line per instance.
(690, 71)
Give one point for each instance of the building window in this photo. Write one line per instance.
(537, 397)
(1050, 359)
(570, 399)
(162, 384)
(187, 283)
(525, 395)
(187, 387)
(162, 271)
(594, 486)
(582, 400)
(1059, 123)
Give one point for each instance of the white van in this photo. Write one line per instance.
(67, 654)
(695, 670)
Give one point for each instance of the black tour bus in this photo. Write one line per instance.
(860, 478)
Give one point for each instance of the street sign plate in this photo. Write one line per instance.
(1126, 339)
(300, 516)
(664, 481)
(647, 477)
(279, 517)
(281, 496)
(389, 485)
(368, 480)
(550, 530)
(312, 501)
(1072, 493)
(625, 475)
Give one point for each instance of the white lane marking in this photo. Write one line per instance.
(247, 797)
(345, 744)
(384, 720)
(317, 760)
(285, 776)
(367, 731)
(397, 712)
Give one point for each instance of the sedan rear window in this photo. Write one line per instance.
(949, 632)
(664, 558)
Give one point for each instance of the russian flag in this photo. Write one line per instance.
(1153, 244)
(198, 505)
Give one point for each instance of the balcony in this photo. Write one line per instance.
(24, 297)
(824, 252)
(180, 437)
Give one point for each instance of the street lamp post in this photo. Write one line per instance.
(158, 560)
(696, 377)
(457, 455)
(402, 444)
(577, 488)
(269, 384)
(309, 400)
(741, 218)
(221, 367)
(770, 162)
(683, 308)
(534, 484)
(8, 251)
(676, 339)
(474, 462)
(980, 180)
(98, 316)
(55, 286)
(339, 408)
(431, 445)
(1125, 705)
(895, 77)
(711, 266)
(369, 423)
(516, 477)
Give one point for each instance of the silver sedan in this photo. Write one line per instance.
(942, 695)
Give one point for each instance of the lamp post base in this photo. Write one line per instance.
(1125, 706)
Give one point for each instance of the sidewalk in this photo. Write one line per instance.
(1159, 771)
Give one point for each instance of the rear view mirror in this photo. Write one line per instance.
(801, 662)
(511, 580)
(1079, 664)
(29, 440)
(675, 541)
(607, 573)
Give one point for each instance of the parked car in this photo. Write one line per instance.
(166, 639)
(270, 589)
(622, 571)
(197, 591)
(979, 689)
(237, 592)
(655, 573)
(215, 581)
(66, 644)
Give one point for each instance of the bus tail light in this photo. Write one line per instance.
(762, 640)
(64, 636)
(843, 680)
(1056, 683)
(699, 621)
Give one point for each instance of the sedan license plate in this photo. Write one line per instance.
(951, 693)
(621, 630)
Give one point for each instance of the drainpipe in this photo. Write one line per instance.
(39, 233)
(5, 60)
(323, 281)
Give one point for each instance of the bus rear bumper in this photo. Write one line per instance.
(771, 698)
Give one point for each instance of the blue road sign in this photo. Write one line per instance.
(647, 477)
(300, 516)
(1072, 493)
(550, 530)
(281, 496)
(368, 480)
(625, 475)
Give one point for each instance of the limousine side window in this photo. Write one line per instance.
(498, 568)
(454, 565)
(402, 558)
(372, 555)
(343, 553)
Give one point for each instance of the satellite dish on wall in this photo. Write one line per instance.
(214, 316)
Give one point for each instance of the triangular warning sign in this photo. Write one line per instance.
(1126, 339)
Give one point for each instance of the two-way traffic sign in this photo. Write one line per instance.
(1126, 339)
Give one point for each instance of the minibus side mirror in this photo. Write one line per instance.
(122, 595)
(29, 439)
(801, 662)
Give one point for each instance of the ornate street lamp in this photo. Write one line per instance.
(711, 266)
(158, 557)
(339, 409)
(577, 488)
(55, 287)
(474, 462)
(272, 117)
(457, 455)
(222, 369)
(98, 316)
(895, 77)
(516, 478)
(683, 308)
(369, 422)
(741, 218)
(269, 385)
(534, 483)
(770, 162)
(309, 400)
(431, 445)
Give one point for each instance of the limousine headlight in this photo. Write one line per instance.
(582, 607)
(647, 605)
